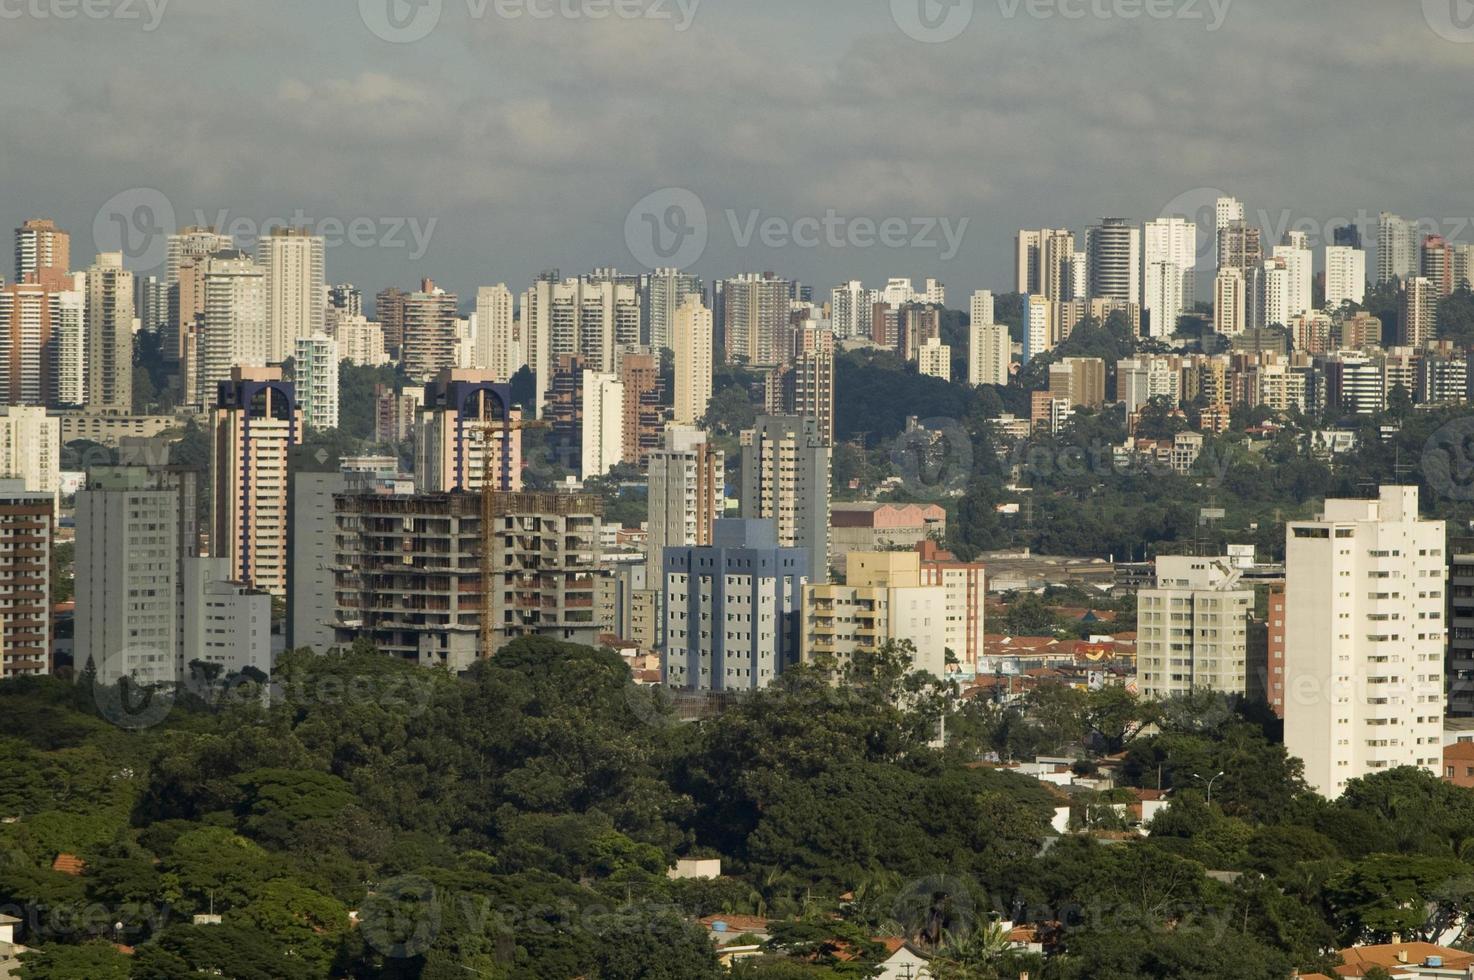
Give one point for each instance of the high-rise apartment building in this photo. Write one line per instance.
(732, 609)
(1364, 639)
(41, 246)
(989, 354)
(602, 430)
(296, 288)
(1346, 276)
(29, 333)
(463, 413)
(1240, 245)
(233, 328)
(1436, 262)
(498, 342)
(850, 308)
(255, 423)
(428, 332)
(687, 493)
(109, 335)
(785, 479)
(311, 550)
(644, 414)
(1169, 272)
(1040, 327)
(360, 340)
(346, 299)
(1114, 249)
(30, 449)
(692, 352)
(27, 522)
(665, 292)
(1397, 248)
(934, 359)
(1080, 381)
(389, 312)
(1418, 312)
(1193, 630)
(316, 361)
(1229, 301)
(756, 308)
(1299, 267)
(980, 307)
(128, 559)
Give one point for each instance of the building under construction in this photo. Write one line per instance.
(410, 570)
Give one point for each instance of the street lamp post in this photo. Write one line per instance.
(1210, 785)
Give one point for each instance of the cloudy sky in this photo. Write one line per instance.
(825, 139)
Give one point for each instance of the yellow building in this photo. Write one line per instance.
(881, 599)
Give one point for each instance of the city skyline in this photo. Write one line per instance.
(882, 135)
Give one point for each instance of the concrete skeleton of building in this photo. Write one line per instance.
(1364, 639)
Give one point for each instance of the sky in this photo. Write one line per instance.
(482, 141)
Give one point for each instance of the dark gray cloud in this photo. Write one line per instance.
(526, 140)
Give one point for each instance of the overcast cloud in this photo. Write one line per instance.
(514, 144)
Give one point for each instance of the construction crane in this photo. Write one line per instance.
(496, 480)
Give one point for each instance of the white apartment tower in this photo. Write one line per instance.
(1299, 263)
(981, 307)
(1039, 335)
(666, 291)
(850, 309)
(988, 354)
(1169, 272)
(1397, 248)
(1114, 250)
(317, 381)
(1364, 639)
(1229, 301)
(498, 343)
(235, 331)
(692, 350)
(1193, 628)
(934, 359)
(296, 287)
(1346, 276)
(603, 423)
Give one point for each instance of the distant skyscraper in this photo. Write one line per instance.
(1418, 320)
(30, 448)
(692, 353)
(254, 425)
(498, 346)
(988, 356)
(360, 341)
(1229, 301)
(1240, 246)
(192, 243)
(1348, 236)
(293, 259)
(429, 332)
(109, 335)
(849, 309)
(69, 341)
(603, 423)
(1437, 260)
(40, 245)
(934, 359)
(28, 335)
(1397, 250)
(981, 307)
(644, 414)
(687, 490)
(756, 308)
(1114, 249)
(389, 312)
(1169, 272)
(665, 292)
(1039, 327)
(1364, 639)
(346, 298)
(785, 478)
(233, 329)
(1346, 275)
(1227, 210)
(316, 361)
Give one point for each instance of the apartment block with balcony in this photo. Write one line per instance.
(882, 599)
(1193, 628)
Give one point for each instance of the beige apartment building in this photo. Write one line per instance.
(255, 423)
(882, 598)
